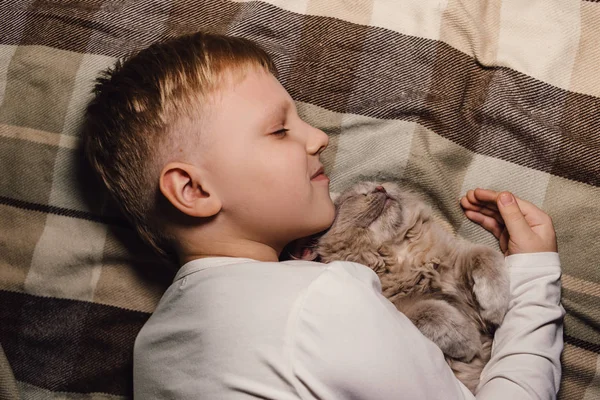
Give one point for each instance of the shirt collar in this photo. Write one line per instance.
(208, 262)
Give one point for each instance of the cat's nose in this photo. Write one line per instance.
(379, 189)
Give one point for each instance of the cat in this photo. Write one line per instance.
(454, 291)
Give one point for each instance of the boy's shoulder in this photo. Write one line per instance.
(211, 298)
(264, 273)
(236, 285)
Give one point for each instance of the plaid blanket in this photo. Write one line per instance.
(444, 95)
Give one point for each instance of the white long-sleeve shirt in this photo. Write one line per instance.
(236, 328)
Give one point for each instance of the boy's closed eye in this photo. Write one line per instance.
(281, 132)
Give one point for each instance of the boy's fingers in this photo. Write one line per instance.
(468, 200)
(514, 220)
(533, 215)
(486, 195)
(483, 209)
(476, 200)
(488, 223)
(468, 205)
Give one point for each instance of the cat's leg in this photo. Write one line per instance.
(469, 373)
(442, 323)
(491, 284)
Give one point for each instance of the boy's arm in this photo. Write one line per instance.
(525, 361)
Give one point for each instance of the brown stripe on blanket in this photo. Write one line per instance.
(578, 372)
(582, 344)
(493, 111)
(324, 39)
(65, 212)
(582, 321)
(68, 345)
(189, 16)
(47, 21)
(579, 154)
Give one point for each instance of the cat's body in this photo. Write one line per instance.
(454, 291)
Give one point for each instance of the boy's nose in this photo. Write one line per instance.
(317, 141)
(379, 189)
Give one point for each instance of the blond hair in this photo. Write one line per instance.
(134, 120)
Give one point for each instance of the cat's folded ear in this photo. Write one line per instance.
(304, 248)
(309, 254)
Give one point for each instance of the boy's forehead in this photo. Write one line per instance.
(257, 83)
(255, 88)
(254, 100)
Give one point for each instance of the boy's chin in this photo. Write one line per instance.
(321, 225)
(328, 214)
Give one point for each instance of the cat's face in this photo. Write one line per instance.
(372, 207)
(371, 218)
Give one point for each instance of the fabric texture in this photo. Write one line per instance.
(443, 95)
(8, 386)
(235, 328)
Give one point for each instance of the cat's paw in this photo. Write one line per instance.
(456, 335)
(491, 285)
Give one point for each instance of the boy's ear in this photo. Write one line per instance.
(183, 185)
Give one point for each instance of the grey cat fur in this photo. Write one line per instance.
(454, 291)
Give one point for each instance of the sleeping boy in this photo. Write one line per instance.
(204, 151)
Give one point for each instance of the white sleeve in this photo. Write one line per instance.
(346, 341)
(525, 361)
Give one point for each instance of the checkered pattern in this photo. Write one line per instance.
(443, 95)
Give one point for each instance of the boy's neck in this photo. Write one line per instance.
(248, 249)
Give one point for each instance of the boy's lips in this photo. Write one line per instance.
(319, 175)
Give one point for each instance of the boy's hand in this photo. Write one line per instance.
(519, 226)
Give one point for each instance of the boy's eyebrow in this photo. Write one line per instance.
(279, 110)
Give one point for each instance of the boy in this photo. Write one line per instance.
(204, 150)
